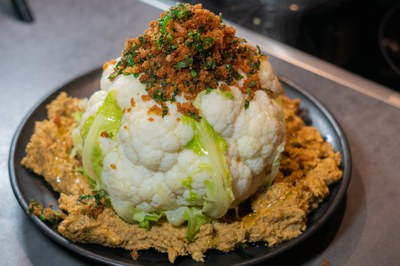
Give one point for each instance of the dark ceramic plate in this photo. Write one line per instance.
(27, 185)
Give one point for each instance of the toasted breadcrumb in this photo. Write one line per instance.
(48, 152)
(188, 50)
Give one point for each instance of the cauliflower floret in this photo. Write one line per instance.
(150, 165)
(269, 81)
(105, 82)
(221, 110)
(155, 143)
(185, 124)
(147, 162)
(253, 136)
(95, 101)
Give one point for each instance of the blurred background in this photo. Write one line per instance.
(362, 36)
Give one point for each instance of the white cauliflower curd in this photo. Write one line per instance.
(185, 124)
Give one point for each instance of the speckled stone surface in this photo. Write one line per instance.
(71, 37)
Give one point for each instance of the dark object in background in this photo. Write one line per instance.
(22, 9)
(342, 32)
(389, 38)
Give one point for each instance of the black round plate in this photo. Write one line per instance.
(27, 185)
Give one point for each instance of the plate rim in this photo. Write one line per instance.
(76, 247)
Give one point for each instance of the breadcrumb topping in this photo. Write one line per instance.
(189, 50)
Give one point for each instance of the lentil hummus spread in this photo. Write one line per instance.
(186, 53)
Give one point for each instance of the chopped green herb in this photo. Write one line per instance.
(47, 215)
(176, 91)
(159, 95)
(259, 49)
(246, 104)
(99, 196)
(118, 64)
(130, 62)
(85, 197)
(208, 42)
(181, 65)
(257, 65)
(164, 110)
(184, 63)
(194, 116)
(42, 217)
(164, 22)
(32, 204)
(113, 75)
(180, 11)
(210, 65)
(236, 75)
(193, 73)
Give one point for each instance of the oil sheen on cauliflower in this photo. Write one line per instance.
(173, 165)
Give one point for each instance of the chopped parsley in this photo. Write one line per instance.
(94, 203)
(193, 73)
(47, 215)
(246, 104)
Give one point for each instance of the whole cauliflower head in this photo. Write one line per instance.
(177, 137)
